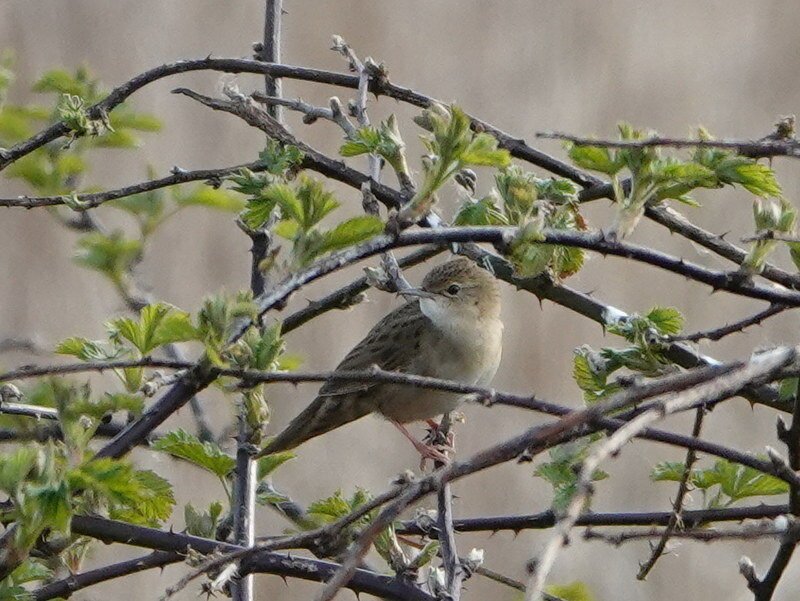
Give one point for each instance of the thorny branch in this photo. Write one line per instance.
(735, 327)
(764, 588)
(765, 147)
(676, 519)
(696, 396)
(200, 375)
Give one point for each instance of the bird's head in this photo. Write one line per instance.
(459, 289)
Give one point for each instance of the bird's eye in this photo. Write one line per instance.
(453, 289)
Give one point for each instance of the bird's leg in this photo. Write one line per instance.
(437, 438)
(427, 451)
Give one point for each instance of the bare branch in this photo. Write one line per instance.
(696, 396)
(764, 147)
(547, 519)
(716, 334)
(781, 528)
(683, 488)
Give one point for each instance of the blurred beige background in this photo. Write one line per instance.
(523, 65)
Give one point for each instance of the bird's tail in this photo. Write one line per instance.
(326, 413)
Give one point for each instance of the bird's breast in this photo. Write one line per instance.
(470, 355)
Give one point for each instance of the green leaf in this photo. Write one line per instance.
(668, 471)
(483, 151)
(49, 506)
(567, 261)
(480, 212)
(593, 158)
(269, 463)
(112, 255)
(18, 466)
(260, 208)
(350, 232)
(287, 229)
(211, 198)
(279, 158)
(110, 478)
(330, 509)
(788, 389)
(364, 141)
(314, 203)
(159, 324)
(562, 471)
(152, 504)
(202, 523)
(124, 118)
(667, 320)
(30, 570)
(86, 350)
(206, 455)
(259, 349)
(757, 178)
(740, 482)
(60, 82)
(574, 591)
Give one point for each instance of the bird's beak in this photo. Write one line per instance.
(418, 292)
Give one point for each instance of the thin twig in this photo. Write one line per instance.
(693, 397)
(717, 334)
(781, 528)
(453, 570)
(73, 583)
(541, 437)
(765, 147)
(245, 480)
(630, 395)
(683, 488)
(547, 519)
(764, 588)
(264, 562)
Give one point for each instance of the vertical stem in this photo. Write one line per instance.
(244, 503)
(764, 589)
(244, 494)
(271, 51)
(454, 573)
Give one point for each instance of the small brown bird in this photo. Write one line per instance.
(450, 330)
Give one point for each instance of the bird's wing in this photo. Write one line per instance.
(391, 344)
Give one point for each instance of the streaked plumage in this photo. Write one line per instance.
(454, 336)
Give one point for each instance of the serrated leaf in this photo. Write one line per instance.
(153, 502)
(159, 324)
(206, 455)
(313, 203)
(350, 232)
(481, 212)
(279, 158)
(483, 151)
(739, 482)
(17, 466)
(202, 523)
(49, 505)
(667, 320)
(86, 350)
(669, 471)
(593, 158)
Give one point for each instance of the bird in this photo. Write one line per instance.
(449, 328)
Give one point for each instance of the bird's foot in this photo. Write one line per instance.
(438, 438)
(428, 449)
